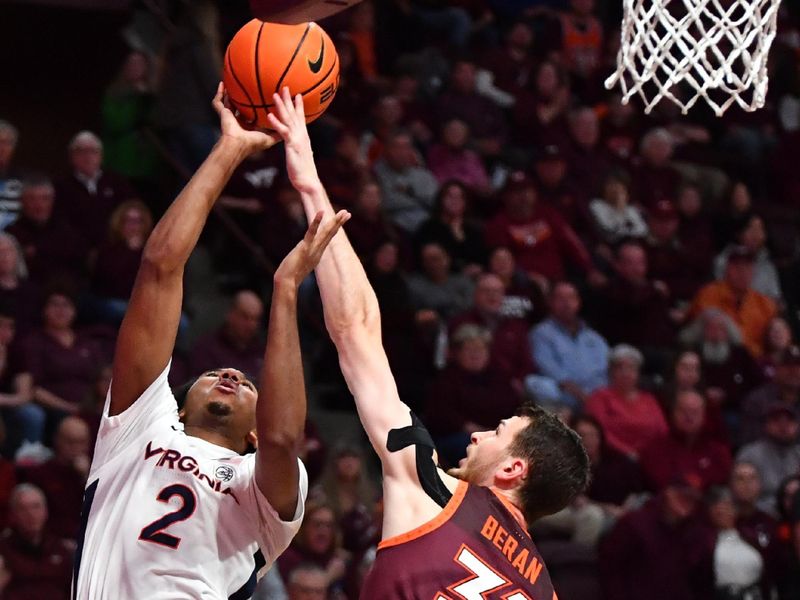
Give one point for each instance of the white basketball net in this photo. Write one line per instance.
(685, 50)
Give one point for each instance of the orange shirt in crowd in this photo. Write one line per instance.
(752, 314)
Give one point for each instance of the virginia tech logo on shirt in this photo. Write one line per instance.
(224, 473)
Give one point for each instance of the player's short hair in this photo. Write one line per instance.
(558, 466)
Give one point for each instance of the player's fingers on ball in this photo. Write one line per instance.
(281, 129)
(216, 102)
(300, 107)
(281, 109)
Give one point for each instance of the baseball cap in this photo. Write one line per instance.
(517, 181)
(690, 484)
(664, 209)
(549, 152)
(781, 408)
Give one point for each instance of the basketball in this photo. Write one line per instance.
(292, 12)
(263, 58)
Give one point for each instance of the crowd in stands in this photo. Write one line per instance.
(530, 239)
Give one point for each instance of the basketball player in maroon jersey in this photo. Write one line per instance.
(446, 536)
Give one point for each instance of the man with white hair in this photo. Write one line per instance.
(10, 179)
(33, 563)
(655, 178)
(90, 194)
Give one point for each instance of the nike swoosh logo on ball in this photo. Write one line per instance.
(317, 64)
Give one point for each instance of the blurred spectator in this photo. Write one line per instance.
(571, 357)
(696, 228)
(631, 418)
(734, 295)
(613, 215)
(35, 563)
(16, 388)
(616, 479)
(17, 293)
(451, 158)
(633, 308)
(10, 178)
(654, 178)
(53, 249)
(237, 343)
(436, 288)
(117, 260)
(541, 113)
(348, 489)
(470, 395)
(511, 64)
(283, 224)
(190, 72)
(347, 171)
(408, 188)
(776, 454)
(452, 227)
(368, 227)
(621, 129)
(655, 552)
(307, 582)
(581, 39)
(669, 260)
(318, 542)
(777, 339)
(728, 369)
(90, 194)
(685, 450)
(756, 527)
(751, 234)
(510, 353)
(589, 164)
(783, 389)
(8, 479)
(737, 568)
(63, 477)
(92, 407)
(524, 298)
(388, 117)
(462, 101)
(557, 188)
(61, 359)
(127, 104)
(737, 209)
(542, 242)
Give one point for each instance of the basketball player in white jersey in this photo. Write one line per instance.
(174, 508)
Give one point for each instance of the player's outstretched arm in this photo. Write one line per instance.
(351, 309)
(147, 334)
(281, 408)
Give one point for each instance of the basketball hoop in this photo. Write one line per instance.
(684, 50)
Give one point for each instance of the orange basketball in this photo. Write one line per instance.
(263, 58)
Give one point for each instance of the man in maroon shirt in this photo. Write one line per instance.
(460, 534)
(685, 449)
(89, 195)
(541, 241)
(237, 342)
(63, 477)
(33, 562)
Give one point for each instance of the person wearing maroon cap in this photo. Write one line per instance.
(557, 186)
(669, 259)
(655, 552)
(541, 241)
(685, 449)
(751, 310)
(783, 389)
(776, 454)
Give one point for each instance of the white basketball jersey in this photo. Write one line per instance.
(169, 516)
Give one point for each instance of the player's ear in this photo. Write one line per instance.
(252, 438)
(512, 469)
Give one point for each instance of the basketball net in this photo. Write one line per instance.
(684, 50)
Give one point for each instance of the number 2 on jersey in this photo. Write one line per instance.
(154, 532)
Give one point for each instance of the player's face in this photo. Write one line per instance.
(223, 396)
(487, 453)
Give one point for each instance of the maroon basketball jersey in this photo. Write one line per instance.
(475, 549)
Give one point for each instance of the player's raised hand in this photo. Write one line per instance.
(305, 256)
(288, 119)
(231, 127)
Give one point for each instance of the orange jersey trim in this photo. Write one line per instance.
(433, 524)
(515, 512)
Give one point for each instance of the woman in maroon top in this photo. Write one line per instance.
(118, 258)
(63, 362)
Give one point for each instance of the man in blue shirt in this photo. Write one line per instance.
(571, 358)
